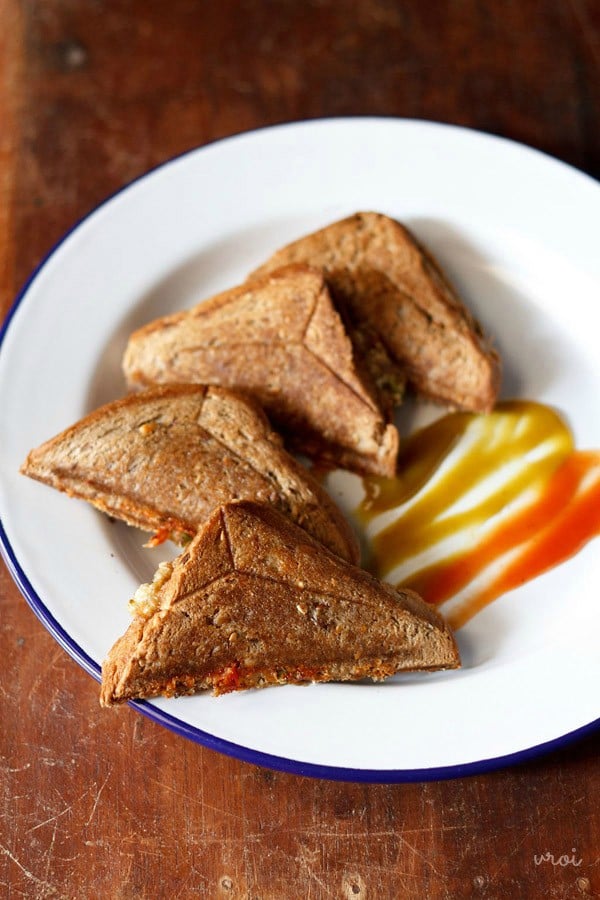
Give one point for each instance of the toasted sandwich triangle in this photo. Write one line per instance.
(253, 601)
(389, 284)
(165, 458)
(281, 340)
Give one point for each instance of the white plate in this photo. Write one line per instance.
(517, 231)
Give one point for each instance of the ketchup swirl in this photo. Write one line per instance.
(481, 505)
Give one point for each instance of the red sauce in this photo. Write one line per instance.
(228, 679)
(542, 509)
(233, 677)
(170, 530)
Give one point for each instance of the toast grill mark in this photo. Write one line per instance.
(482, 505)
(226, 536)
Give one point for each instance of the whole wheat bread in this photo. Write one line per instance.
(281, 340)
(389, 283)
(165, 458)
(253, 601)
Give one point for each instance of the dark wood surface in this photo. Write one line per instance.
(96, 805)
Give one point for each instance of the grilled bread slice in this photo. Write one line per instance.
(388, 282)
(281, 340)
(165, 458)
(254, 600)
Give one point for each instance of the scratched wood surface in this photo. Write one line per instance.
(93, 805)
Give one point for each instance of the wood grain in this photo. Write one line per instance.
(11, 79)
(97, 804)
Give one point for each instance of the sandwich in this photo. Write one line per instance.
(253, 601)
(281, 340)
(165, 458)
(386, 282)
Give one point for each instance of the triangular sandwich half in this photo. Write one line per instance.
(388, 282)
(281, 340)
(254, 600)
(165, 458)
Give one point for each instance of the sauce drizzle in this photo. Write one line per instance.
(482, 504)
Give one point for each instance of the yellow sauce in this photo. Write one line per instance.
(504, 494)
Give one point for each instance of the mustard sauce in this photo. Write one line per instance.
(504, 494)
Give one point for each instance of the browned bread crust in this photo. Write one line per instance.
(254, 600)
(165, 458)
(388, 282)
(281, 340)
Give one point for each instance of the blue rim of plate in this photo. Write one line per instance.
(257, 757)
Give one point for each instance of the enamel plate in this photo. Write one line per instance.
(518, 234)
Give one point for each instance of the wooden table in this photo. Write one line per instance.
(112, 806)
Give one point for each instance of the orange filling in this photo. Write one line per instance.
(227, 680)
